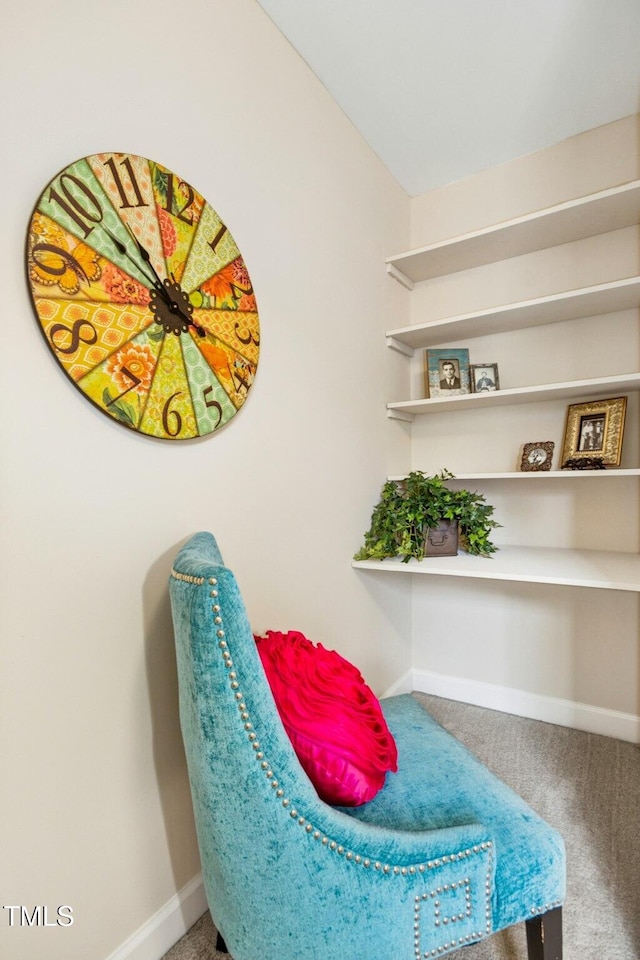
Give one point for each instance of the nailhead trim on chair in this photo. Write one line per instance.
(440, 920)
(332, 845)
(186, 577)
(537, 911)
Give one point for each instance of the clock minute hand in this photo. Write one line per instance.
(152, 276)
(145, 256)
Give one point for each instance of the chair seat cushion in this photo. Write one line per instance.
(332, 717)
(441, 783)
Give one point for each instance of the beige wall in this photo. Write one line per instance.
(540, 642)
(95, 805)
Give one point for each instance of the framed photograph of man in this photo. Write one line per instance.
(595, 430)
(484, 377)
(446, 372)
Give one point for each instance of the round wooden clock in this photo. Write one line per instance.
(143, 296)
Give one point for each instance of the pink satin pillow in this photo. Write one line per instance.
(332, 717)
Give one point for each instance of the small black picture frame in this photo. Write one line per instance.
(484, 377)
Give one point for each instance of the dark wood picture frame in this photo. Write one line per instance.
(484, 377)
(537, 456)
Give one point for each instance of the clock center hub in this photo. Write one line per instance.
(172, 308)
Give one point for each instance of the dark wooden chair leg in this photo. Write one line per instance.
(221, 946)
(544, 936)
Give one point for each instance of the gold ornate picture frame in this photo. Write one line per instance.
(595, 430)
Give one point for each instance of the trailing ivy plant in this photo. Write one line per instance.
(408, 507)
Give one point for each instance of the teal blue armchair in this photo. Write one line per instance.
(443, 856)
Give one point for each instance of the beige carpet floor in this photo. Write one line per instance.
(588, 787)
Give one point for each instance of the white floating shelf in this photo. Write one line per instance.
(544, 474)
(573, 568)
(591, 301)
(596, 213)
(598, 387)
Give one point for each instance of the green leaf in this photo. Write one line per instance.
(124, 412)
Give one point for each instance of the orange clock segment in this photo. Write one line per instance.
(235, 372)
(143, 296)
(238, 330)
(82, 334)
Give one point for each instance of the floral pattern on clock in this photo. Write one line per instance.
(143, 296)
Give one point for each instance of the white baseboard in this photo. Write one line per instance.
(565, 713)
(405, 684)
(155, 937)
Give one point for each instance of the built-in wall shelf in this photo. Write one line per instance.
(600, 212)
(597, 387)
(591, 301)
(572, 568)
(612, 209)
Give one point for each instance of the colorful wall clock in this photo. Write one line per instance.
(143, 296)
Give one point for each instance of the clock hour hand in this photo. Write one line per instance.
(150, 272)
(172, 308)
(145, 256)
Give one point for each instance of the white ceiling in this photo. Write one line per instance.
(442, 89)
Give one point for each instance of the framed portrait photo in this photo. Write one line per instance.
(595, 430)
(537, 455)
(484, 377)
(446, 372)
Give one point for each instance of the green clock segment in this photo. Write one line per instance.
(143, 296)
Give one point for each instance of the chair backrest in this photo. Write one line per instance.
(224, 699)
